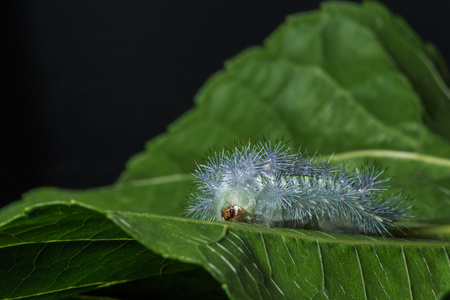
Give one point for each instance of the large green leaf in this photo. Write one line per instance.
(58, 250)
(413, 57)
(347, 79)
(255, 262)
(250, 261)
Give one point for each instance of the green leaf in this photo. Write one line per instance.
(58, 250)
(254, 262)
(349, 80)
(421, 63)
(87, 250)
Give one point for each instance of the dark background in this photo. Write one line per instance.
(87, 83)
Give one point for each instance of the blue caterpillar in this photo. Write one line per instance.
(270, 185)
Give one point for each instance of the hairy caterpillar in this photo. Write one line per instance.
(270, 185)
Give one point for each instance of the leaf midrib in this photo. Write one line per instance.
(66, 241)
(343, 156)
(95, 284)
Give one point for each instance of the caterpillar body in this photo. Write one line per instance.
(270, 185)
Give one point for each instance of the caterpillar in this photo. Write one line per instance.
(270, 185)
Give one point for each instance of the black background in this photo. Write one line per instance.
(87, 83)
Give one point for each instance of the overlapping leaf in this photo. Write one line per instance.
(54, 251)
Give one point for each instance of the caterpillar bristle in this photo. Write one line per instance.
(266, 183)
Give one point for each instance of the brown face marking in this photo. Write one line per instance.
(232, 213)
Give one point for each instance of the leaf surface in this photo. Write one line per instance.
(94, 249)
(62, 249)
(256, 262)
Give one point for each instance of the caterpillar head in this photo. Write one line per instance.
(232, 213)
(235, 205)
